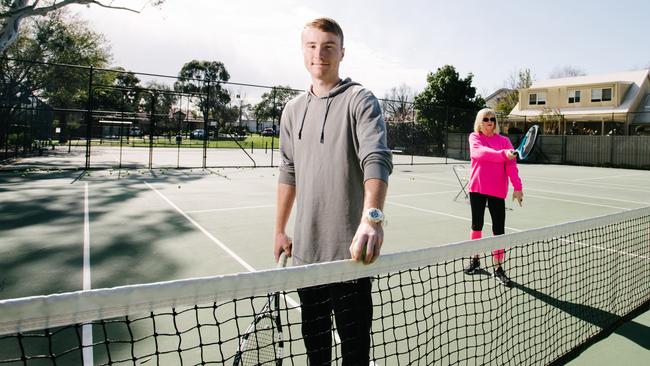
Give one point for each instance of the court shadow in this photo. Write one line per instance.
(608, 322)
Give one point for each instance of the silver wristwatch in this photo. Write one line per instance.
(374, 215)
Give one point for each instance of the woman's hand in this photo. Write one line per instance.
(519, 196)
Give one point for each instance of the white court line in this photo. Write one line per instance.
(513, 229)
(229, 209)
(588, 196)
(86, 329)
(215, 240)
(606, 249)
(442, 182)
(421, 194)
(441, 213)
(578, 202)
(591, 185)
(607, 177)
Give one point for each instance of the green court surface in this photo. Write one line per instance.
(142, 226)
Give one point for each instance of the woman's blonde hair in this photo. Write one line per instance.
(486, 113)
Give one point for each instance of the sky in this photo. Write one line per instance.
(388, 43)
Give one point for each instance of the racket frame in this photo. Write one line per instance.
(270, 310)
(532, 131)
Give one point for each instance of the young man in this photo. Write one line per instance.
(335, 166)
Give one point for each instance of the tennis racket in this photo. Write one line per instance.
(262, 342)
(527, 143)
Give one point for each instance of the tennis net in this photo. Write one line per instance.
(571, 283)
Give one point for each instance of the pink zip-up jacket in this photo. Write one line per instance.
(490, 165)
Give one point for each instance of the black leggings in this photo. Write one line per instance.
(352, 305)
(497, 207)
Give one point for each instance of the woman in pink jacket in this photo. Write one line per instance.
(493, 164)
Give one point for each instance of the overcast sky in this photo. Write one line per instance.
(388, 43)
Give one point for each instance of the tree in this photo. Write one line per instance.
(521, 79)
(204, 79)
(398, 104)
(157, 101)
(445, 95)
(56, 38)
(272, 104)
(117, 90)
(566, 71)
(551, 120)
(13, 12)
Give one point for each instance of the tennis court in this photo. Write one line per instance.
(69, 231)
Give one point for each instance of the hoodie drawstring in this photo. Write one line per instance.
(302, 124)
(328, 102)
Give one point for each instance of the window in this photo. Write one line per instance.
(574, 96)
(532, 99)
(601, 94)
(607, 94)
(537, 98)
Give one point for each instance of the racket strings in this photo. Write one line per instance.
(262, 345)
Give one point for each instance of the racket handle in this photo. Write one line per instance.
(516, 153)
(282, 262)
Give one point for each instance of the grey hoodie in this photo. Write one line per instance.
(329, 147)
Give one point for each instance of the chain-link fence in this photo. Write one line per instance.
(73, 117)
(100, 118)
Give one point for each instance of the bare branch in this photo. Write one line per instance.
(32, 10)
(21, 9)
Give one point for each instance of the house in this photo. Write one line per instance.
(492, 100)
(617, 103)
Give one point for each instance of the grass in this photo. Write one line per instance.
(255, 141)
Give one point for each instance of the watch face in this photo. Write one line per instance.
(375, 215)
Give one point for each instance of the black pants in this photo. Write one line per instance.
(497, 207)
(352, 305)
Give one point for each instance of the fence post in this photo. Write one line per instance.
(206, 126)
(274, 126)
(152, 126)
(445, 134)
(89, 117)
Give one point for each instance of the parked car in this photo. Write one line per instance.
(268, 132)
(135, 131)
(199, 133)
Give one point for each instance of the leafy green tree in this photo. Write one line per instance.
(56, 38)
(204, 79)
(157, 101)
(446, 96)
(272, 103)
(122, 93)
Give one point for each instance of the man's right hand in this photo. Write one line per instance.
(283, 243)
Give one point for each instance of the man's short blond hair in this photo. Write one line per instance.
(327, 25)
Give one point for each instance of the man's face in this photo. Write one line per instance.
(322, 53)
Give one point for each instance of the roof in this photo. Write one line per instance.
(635, 78)
(497, 92)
